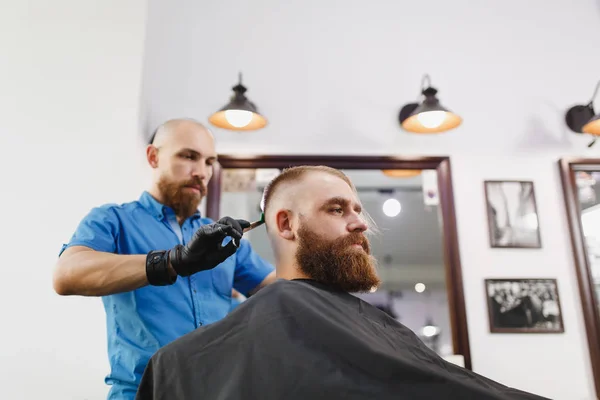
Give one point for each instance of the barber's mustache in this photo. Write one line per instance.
(197, 183)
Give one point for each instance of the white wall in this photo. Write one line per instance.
(70, 75)
(336, 73)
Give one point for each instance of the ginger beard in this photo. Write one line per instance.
(337, 262)
(179, 197)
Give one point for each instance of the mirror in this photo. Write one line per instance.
(410, 248)
(588, 194)
(581, 188)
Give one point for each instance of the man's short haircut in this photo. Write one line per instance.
(294, 174)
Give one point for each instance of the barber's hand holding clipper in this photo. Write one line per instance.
(204, 251)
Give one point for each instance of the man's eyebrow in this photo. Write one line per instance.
(189, 150)
(196, 153)
(342, 202)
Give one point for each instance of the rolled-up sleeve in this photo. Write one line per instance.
(98, 230)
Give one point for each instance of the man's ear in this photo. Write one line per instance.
(152, 155)
(283, 219)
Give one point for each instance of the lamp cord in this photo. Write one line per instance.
(595, 93)
(428, 79)
(423, 87)
(591, 104)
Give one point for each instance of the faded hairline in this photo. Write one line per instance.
(295, 174)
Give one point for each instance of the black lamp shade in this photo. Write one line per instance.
(578, 116)
(429, 116)
(583, 119)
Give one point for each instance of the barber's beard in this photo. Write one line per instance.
(183, 201)
(337, 263)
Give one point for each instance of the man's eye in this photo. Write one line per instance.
(337, 210)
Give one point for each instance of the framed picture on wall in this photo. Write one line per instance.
(523, 306)
(512, 214)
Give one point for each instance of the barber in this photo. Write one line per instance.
(161, 269)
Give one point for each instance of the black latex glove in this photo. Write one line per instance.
(205, 250)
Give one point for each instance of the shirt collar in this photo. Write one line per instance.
(157, 209)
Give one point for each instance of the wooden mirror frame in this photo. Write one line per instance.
(454, 284)
(580, 254)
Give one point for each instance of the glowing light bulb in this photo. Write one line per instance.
(420, 287)
(392, 207)
(432, 119)
(430, 330)
(238, 118)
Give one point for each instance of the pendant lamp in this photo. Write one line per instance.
(429, 116)
(240, 114)
(583, 119)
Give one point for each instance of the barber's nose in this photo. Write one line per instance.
(201, 171)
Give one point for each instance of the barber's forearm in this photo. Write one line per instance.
(272, 277)
(93, 273)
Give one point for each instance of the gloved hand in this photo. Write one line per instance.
(206, 250)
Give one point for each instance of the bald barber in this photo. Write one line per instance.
(161, 269)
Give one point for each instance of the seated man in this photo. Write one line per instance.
(305, 336)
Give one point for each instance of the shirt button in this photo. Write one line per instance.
(195, 291)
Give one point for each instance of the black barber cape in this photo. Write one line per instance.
(300, 339)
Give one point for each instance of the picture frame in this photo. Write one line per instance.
(523, 305)
(512, 213)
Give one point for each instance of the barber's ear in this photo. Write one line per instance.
(152, 156)
(284, 224)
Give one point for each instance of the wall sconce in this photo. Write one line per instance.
(583, 118)
(429, 116)
(240, 114)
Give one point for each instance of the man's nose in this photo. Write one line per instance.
(358, 224)
(200, 170)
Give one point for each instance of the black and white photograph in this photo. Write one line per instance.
(512, 214)
(524, 306)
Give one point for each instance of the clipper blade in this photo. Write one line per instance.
(256, 223)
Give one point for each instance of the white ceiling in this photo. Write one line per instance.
(409, 246)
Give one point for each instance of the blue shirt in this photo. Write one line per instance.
(139, 322)
(234, 303)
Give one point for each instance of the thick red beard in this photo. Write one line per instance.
(337, 263)
(184, 203)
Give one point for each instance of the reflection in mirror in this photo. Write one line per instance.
(408, 249)
(588, 193)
